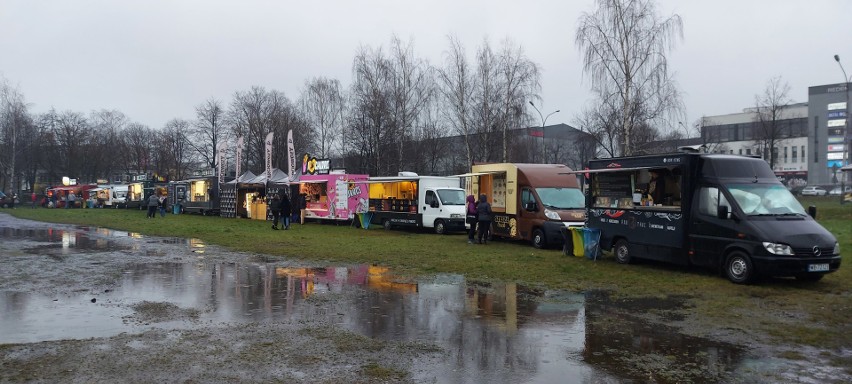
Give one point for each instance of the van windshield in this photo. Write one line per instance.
(765, 200)
(451, 196)
(562, 198)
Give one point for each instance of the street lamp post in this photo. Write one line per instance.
(845, 160)
(543, 122)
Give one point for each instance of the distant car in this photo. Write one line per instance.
(814, 191)
(836, 191)
(6, 201)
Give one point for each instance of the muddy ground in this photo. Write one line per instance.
(89, 305)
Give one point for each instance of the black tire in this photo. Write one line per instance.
(387, 224)
(440, 227)
(538, 239)
(622, 252)
(812, 278)
(738, 268)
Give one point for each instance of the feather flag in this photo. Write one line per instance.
(291, 156)
(269, 155)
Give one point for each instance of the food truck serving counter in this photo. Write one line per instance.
(334, 196)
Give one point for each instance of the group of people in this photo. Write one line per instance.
(156, 201)
(280, 207)
(479, 217)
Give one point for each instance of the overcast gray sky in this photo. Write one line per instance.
(155, 60)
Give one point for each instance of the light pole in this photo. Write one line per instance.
(543, 121)
(846, 159)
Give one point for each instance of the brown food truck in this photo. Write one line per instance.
(532, 202)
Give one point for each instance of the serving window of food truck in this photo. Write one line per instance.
(398, 196)
(135, 192)
(316, 195)
(638, 188)
(199, 191)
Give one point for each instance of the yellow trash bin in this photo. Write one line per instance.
(577, 239)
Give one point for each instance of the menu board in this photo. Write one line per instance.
(614, 184)
(498, 191)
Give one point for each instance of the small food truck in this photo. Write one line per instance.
(333, 196)
(532, 202)
(409, 200)
(200, 195)
(725, 212)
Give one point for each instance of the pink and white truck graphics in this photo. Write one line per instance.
(334, 196)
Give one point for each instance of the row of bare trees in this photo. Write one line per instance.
(397, 113)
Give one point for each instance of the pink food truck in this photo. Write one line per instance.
(334, 196)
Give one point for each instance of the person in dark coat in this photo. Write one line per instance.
(471, 218)
(484, 215)
(153, 203)
(285, 211)
(275, 207)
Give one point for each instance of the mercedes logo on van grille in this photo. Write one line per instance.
(817, 252)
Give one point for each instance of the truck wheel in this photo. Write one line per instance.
(622, 251)
(440, 228)
(387, 224)
(538, 239)
(810, 278)
(738, 268)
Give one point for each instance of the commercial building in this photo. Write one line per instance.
(808, 141)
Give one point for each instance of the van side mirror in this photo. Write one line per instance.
(812, 211)
(531, 206)
(722, 212)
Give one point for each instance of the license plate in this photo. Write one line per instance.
(817, 267)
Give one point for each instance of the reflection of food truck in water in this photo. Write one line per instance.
(533, 202)
(724, 212)
(334, 196)
(410, 200)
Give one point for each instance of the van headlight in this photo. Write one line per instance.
(836, 250)
(552, 215)
(778, 248)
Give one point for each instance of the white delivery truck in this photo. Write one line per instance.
(409, 200)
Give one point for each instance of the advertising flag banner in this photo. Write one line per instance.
(239, 155)
(291, 156)
(269, 155)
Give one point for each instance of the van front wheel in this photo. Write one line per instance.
(738, 268)
(440, 227)
(622, 251)
(538, 239)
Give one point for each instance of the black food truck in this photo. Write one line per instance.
(724, 212)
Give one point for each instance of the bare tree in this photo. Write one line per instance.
(519, 83)
(371, 131)
(624, 45)
(16, 126)
(173, 160)
(411, 86)
(771, 109)
(209, 131)
(456, 87)
(323, 104)
(138, 148)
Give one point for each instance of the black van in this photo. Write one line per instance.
(724, 212)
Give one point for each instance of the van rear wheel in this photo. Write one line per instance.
(738, 268)
(622, 252)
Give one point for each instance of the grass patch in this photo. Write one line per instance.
(788, 310)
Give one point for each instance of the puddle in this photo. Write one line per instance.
(481, 328)
(486, 332)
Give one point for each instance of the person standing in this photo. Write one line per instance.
(285, 211)
(303, 205)
(162, 205)
(153, 202)
(483, 217)
(471, 218)
(72, 198)
(34, 197)
(275, 207)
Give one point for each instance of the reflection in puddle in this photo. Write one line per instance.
(487, 332)
(493, 333)
(62, 240)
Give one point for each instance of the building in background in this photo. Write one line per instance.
(808, 140)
